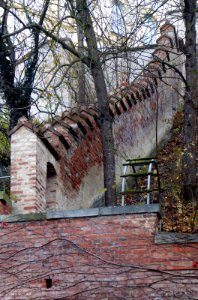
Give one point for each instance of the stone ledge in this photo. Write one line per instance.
(23, 217)
(86, 212)
(175, 237)
(104, 211)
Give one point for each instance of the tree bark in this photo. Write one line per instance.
(105, 122)
(105, 119)
(81, 69)
(190, 162)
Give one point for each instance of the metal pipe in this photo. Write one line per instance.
(149, 183)
(123, 184)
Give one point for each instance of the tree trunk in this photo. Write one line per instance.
(105, 119)
(190, 172)
(81, 69)
(17, 94)
(19, 106)
(105, 122)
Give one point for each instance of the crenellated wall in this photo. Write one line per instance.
(51, 172)
(61, 166)
(157, 95)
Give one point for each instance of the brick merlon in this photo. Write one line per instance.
(23, 122)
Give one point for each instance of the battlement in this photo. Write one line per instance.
(61, 166)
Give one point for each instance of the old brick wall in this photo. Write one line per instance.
(101, 257)
(140, 130)
(76, 167)
(141, 111)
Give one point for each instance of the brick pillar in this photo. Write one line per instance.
(29, 161)
(23, 168)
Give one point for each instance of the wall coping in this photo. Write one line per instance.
(160, 237)
(83, 213)
(175, 238)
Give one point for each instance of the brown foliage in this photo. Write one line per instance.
(178, 216)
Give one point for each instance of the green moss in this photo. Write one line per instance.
(5, 198)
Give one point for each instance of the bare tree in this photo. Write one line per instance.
(105, 120)
(17, 94)
(190, 158)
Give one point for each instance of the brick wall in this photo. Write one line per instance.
(72, 143)
(100, 257)
(141, 129)
(75, 168)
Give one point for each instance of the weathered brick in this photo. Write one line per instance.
(117, 264)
